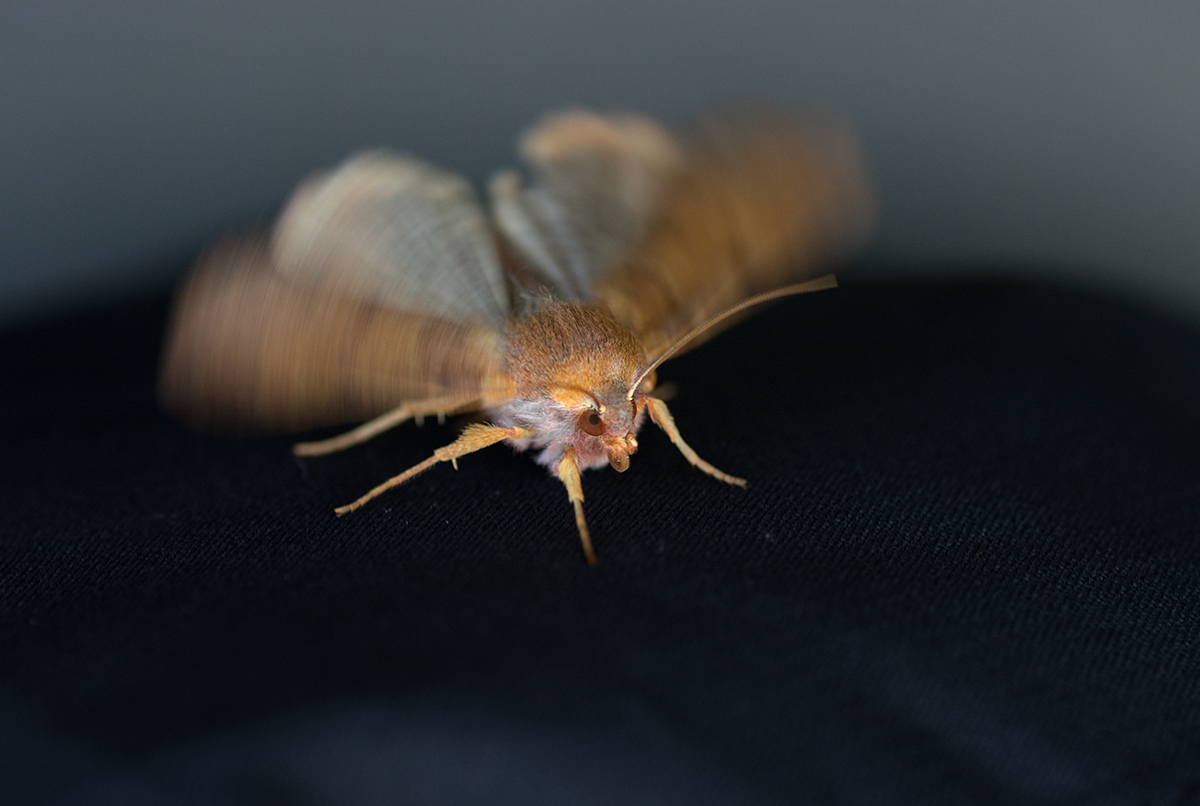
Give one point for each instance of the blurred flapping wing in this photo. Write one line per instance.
(397, 232)
(598, 180)
(383, 281)
(380, 285)
(759, 203)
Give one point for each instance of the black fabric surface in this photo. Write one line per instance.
(965, 571)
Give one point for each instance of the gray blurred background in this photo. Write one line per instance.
(1054, 138)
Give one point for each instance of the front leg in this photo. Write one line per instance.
(568, 473)
(475, 437)
(663, 419)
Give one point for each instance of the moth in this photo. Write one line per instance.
(385, 291)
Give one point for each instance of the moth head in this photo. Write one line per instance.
(605, 424)
(615, 435)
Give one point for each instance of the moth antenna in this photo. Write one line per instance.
(817, 284)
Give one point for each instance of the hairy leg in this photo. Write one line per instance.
(474, 438)
(568, 473)
(663, 419)
(373, 428)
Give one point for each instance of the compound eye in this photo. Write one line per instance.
(590, 423)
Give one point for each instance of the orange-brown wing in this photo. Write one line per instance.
(759, 203)
(250, 348)
(380, 284)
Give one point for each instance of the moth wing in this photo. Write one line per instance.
(758, 203)
(250, 348)
(381, 284)
(396, 232)
(597, 181)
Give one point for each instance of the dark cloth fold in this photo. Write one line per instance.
(966, 570)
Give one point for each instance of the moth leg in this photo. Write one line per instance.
(663, 419)
(373, 428)
(568, 473)
(475, 437)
